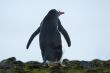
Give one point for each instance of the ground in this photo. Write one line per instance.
(11, 65)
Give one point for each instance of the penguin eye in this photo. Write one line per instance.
(58, 11)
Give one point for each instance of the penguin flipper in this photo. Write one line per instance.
(32, 37)
(64, 32)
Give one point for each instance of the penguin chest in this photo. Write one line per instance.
(50, 39)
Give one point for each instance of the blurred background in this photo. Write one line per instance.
(86, 21)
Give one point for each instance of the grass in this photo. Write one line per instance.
(35, 67)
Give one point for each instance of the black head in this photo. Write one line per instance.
(55, 12)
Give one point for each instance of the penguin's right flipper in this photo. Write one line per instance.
(32, 37)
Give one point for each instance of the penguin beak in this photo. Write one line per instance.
(60, 13)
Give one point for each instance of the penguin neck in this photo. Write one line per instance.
(51, 17)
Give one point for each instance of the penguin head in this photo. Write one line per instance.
(55, 12)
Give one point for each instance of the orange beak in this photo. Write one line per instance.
(60, 13)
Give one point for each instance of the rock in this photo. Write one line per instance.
(74, 64)
(106, 64)
(19, 63)
(33, 64)
(86, 64)
(12, 59)
(97, 62)
(65, 60)
(8, 63)
(9, 60)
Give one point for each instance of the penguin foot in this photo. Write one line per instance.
(50, 65)
(53, 65)
(44, 65)
(62, 65)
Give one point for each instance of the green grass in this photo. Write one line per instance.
(59, 70)
(72, 67)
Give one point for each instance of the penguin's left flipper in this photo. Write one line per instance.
(64, 32)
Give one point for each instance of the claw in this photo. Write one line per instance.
(62, 65)
(50, 65)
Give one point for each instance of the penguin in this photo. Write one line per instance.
(50, 42)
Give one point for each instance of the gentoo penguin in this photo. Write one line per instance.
(50, 38)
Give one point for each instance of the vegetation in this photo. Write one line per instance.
(11, 65)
